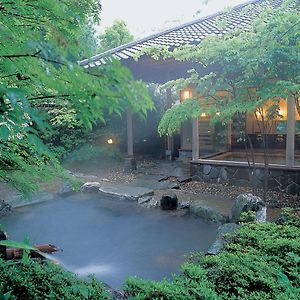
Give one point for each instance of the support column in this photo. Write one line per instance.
(290, 132)
(195, 141)
(130, 163)
(169, 139)
(228, 137)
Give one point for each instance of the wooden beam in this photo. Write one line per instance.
(290, 132)
(195, 141)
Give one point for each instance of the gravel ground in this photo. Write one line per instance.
(114, 174)
(274, 198)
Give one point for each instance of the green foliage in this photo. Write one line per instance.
(247, 217)
(114, 36)
(45, 281)
(90, 152)
(46, 97)
(261, 262)
(175, 116)
(252, 66)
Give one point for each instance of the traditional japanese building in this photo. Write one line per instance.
(215, 151)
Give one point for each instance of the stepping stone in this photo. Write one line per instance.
(125, 192)
(182, 179)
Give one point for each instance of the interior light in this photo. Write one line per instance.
(218, 113)
(203, 115)
(186, 94)
(110, 141)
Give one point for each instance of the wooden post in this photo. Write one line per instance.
(129, 134)
(130, 163)
(169, 139)
(229, 133)
(290, 132)
(195, 141)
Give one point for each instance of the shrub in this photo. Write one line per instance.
(33, 280)
(89, 152)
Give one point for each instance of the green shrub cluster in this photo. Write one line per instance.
(88, 152)
(261, 262)
(45, 281)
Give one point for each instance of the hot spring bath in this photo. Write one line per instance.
(111, 238)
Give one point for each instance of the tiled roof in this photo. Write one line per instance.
(189, 33)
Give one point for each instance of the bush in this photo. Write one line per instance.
(261, 262)
(45, 281)
(89, 152)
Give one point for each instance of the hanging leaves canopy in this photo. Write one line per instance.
(39, 50)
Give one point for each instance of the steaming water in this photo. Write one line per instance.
(111, 238)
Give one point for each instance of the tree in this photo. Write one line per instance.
(252, 66)
(114, 36)
(41, 83)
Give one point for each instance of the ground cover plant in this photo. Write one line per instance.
(32, 280)
(262, 261)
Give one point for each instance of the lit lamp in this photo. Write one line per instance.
(281, 113)
(186, 94)
(110, 141)
(203, 115)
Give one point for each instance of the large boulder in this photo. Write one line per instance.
(207, 213)
(168, 201)
(5, 209)
(221, 240)
(90, 187)
(248, 202)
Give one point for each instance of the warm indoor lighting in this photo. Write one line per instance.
(218, 113)
(281, 113)
(203, 115)
(110, 141)
(186, 94)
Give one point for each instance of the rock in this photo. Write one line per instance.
(221, 241)
(261, 215)
(206, 169)
(144, 200)
(66, 190)
(5, 209)
(207, 213)
(90, 187)
(184, 204)
(223, 176)
(259, 173)
(214, 173)
(168, 201)
(248, 202)
(293, 188)
(182, 179)
(148, 202)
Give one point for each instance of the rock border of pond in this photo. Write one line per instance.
(150, 198)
